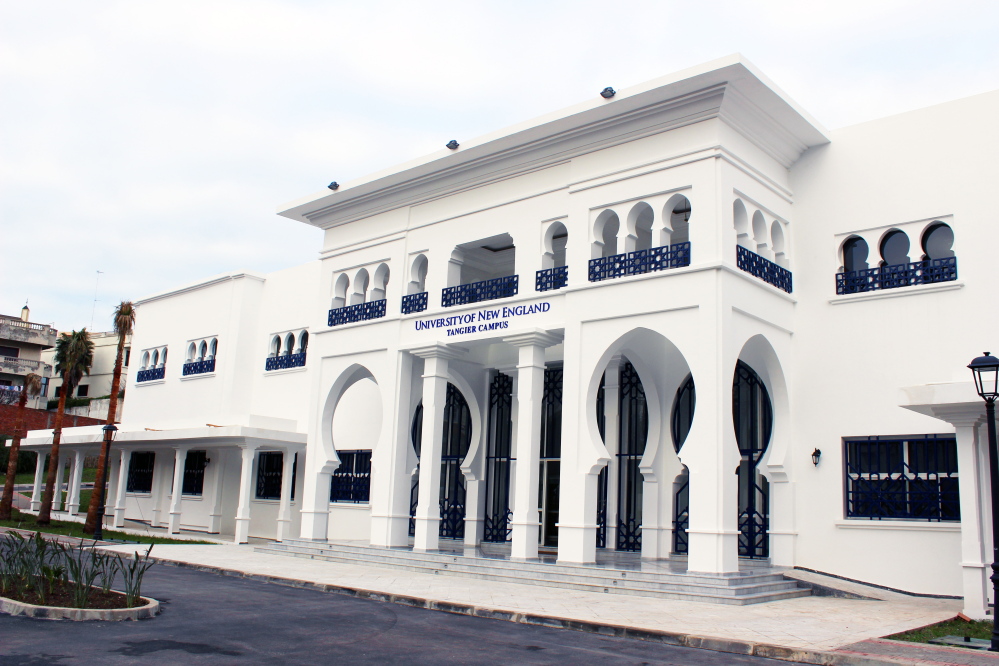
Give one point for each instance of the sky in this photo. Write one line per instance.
(154, 141)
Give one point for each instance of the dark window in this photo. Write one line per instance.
(58, 391)
(11, 352)
(351, 482)
(83, 390)
(900, 478)
(895, 248)
(294, 475)
(938, 242)
(269, 468)
(194, 473)
(45, 387)
(140, 472)
(128, 355)
(855, 252)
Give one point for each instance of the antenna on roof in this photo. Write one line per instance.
(94, 309)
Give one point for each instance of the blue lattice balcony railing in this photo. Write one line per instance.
(763, 268)
(638, 262)
(898, 275)
(414, 303)
(551, 278)
(199, 367)
(151, 374)
(359, 312)
(487, 290)
(285, 362)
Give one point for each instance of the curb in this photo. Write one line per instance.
(151, 609)
(733, 646)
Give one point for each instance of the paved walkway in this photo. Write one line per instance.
(809, 623)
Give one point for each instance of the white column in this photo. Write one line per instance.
(612, 431)
(36, 491)
(60, 475)
(435, 378)
(119, 502)
(972, 464)
(162, 465)
(284, 509)
(75, 477)
(245, 490)
(530, 390)
(180, 460)
(217, 465)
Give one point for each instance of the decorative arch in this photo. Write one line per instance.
(676, 220)
(379, 284)
(937, 241)
(555, 241)
(214, 349)
(203, 350)
(418, 275)
(350, 376)
(740, 219)
(777, 242)
(761, 234)
(289, 344)
(360, 293)
(340, 289)
(640, 222)
(605, 231)
(192, 353)
(894, 247)
(303, 342)
(275, 346)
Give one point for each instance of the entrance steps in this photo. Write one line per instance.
(634, 577)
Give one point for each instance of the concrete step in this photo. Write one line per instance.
(738, 590)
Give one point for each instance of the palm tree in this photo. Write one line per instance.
(124, 322)
(73, 357)
(32, 387)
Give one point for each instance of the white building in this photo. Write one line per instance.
(23, 349)
(536, 308)
(98, 382)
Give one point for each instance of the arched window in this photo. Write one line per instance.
(761, 234)
(895, 248)
(214, 350)
(360, 287)
(741, 221)
(640, 221)
(289, 344)
(855, 253)
(203, 351)
(275, 346)
(679, 221)
(777, 243)
(192, 353)
(752, 416)
(938, 241)
(163, 358)
(303, 342)
(340, 288)
(418, 275)
(156, 357)
(556, 240)
(605, 234)
(145, 361)
(380, 282)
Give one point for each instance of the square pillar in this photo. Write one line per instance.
(119, 503)
(284, 509)
(248, 453)
(218, 474)
(428, 506)
(974, 490)
(528, 397)
(180, 461)
(161, 485)
(57, 496)
(36, 490)
(612, 433)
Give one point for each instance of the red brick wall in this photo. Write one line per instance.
(37, 419)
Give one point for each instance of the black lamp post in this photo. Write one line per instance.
(986, 372)
(110, 430)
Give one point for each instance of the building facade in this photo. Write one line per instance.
(682, 320)
(22, 347)
(97, 383)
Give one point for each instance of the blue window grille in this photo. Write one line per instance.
(549, 279)
(151, 374)
(902, 478)
(351, 482)
(414, 303)
(199, 367)
(487, 290)
(358, 312)
(763, 268)
(270, 468)
(140, 472)
(640, 262)
(284, 362)
(499, 461)
(930, 271)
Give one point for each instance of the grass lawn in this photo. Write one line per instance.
(955, 627)
(26, 521)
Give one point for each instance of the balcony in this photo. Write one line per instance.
(286, 361)
(487, 290)
(899, 275)
(199, 367)
(414, 303)
(360, 312)
(763, 269)
(151, 374)
(640, 262)
(551, 278)
(23, 331)
(23, 366)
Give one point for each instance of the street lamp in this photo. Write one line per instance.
(110, 430)
(986, 372)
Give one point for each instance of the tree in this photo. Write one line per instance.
(73, 357)
(124, 322)
(32, 387)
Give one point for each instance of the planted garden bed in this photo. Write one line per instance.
(42, 578)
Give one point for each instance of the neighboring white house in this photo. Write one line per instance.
(98, 382)
(23, 349)
(629, 325)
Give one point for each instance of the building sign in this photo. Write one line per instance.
(489, 319)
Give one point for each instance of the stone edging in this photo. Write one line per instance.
(12, 607)
(733, 646)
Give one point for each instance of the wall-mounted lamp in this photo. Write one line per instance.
(816, 454)
(334, 185)
(608, 92)
(452, 144)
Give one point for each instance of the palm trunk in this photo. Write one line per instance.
(44, 513)
(102, 463)
(15, 447)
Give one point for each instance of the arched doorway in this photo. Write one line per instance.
(683, 417)
(633, 433)
(456, 440)
(551, 456)
(498, 514)
(752, 415)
